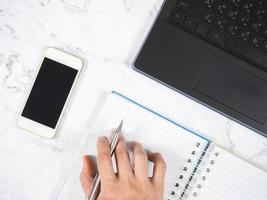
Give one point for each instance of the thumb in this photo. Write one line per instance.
(87, 174)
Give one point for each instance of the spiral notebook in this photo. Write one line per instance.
(197, 169)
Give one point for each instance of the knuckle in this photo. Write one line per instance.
(134, 193)
(162, 165)
(141, 155)
(103, 157)
(121, 153)
(106, 196)
(139, 151)
(130, 194)
(109, 192)
(148, 193)
(160, 161)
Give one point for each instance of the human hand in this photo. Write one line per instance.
(131, 182)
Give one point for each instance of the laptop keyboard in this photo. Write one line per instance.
(237, 26)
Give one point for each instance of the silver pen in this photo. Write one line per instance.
(95, 188)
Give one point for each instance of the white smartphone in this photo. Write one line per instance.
(50, 93)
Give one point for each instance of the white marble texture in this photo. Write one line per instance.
(107, 35)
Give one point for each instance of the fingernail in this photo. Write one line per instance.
(135, 143)
(102, 138)
(148, 151)
(129, 145)
(132, 144)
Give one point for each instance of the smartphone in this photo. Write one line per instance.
(50, 93)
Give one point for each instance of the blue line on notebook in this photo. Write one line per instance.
(169, 120)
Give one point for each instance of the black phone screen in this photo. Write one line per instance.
(49, 93)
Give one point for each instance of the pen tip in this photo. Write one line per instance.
(120, 126)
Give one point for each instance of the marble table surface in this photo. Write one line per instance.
(106, 34)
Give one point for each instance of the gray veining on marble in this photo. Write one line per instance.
(106, 34)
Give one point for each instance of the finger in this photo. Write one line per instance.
(159, 168)
(140, 160)
(104, 162)
(122, 158)
(87, 174)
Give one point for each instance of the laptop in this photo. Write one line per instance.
(215, 52)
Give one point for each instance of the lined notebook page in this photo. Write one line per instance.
(180, 148)
(227, 177)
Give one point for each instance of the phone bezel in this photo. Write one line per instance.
(66, 59)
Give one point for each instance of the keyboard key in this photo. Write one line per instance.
(236, 3)
(217, 37)
(220, 8)
(178, 16)
(248, 6)
(190, 23)
(260, 13)
(208, 17)
(256, 41)
(202, 29)
(232, 13)
(190, 6)
(184, 4)
(208, 3)
(244, 20)
(243, 50)
(220, 23)
(261, 3)
(232, 28)
(256, 26)
(244, 34)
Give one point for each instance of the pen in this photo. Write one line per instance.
(95, 188)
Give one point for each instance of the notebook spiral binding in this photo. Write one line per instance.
(190, 183)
